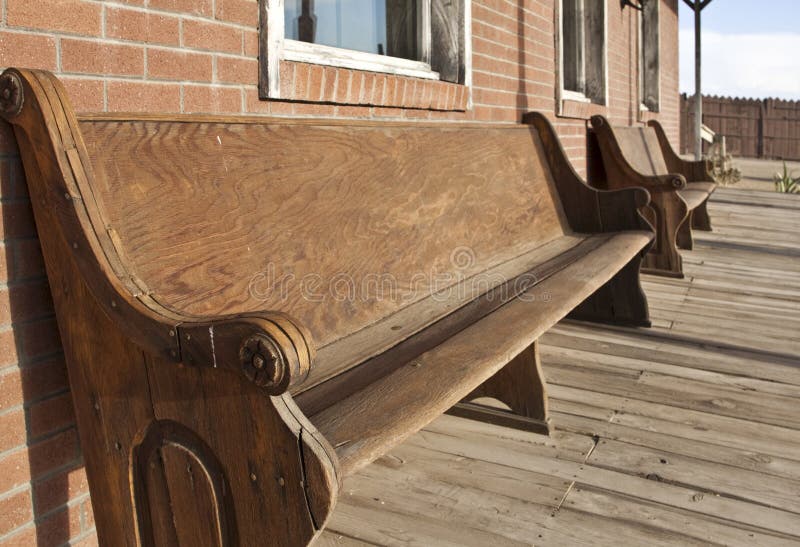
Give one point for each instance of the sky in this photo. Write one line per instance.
(751, 48)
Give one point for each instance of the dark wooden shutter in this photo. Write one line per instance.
(650, 56)
(401, 29)
(595, 46)
(572, 45)
(447, 39)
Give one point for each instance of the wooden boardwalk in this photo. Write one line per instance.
(684, 434)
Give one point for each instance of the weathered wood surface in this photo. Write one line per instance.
(153, 230)
(679, 189)
(684, 434)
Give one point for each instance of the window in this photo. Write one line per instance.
(418, 38)
(583, 50)
(649, 43)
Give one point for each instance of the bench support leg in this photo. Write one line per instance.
(700, 219)
(621, 301)
(666, 212)
(521, 386)
(683, 239)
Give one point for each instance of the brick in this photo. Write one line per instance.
(142, 26)
(12, 429)
(251, 43)
(45, 378)
(353, 112)
(90, 57)
(6, 259)
(25, 302)
(301, 80)
(53, 453)
(59, 489)
(88, 514)
(16, 470)
(39, 338)
(58, 528)
(143, 97)
(166, 64)
(16, 511)
(23, 537)
(28, 50)
(329, 84)
(416, 113)
(86, 95)
(253, 104)
(311, 109)
(191, 7)
(211, 99)
(212, 36)
(88, 541)
(50, 415)
(10, 388)
(286, 79)
(316, 76)
(8, 347)
(244, 12)
(383, 112)
(72, 16)
(379, 93)
(28, 260)
(345, 78)
(235, 70)
(17, 220)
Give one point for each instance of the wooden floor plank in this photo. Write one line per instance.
(691, 424)
(580, 418)
(625, 511)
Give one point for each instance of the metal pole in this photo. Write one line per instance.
(698, 93)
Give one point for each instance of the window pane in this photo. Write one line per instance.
(572, 28)
(359, 25)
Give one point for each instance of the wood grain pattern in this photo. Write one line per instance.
(249, 211)
(360, 433)
(154, 231)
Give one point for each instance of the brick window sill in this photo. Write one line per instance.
(344, 86)
(580, 110)
(645, 115)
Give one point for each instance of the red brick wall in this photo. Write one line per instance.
(200, 56)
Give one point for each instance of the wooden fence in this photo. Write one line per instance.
(753, 128)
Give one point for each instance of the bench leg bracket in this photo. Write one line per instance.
(520, 385)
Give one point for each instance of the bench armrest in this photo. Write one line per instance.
(587, 209)
(272, 350)
(653, 183)
(693, 171)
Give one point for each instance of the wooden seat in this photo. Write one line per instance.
(461, 362)
(643, 156)
(253, 308)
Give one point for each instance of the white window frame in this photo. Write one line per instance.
(280, 49)
(568, 94)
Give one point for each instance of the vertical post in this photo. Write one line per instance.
(698, 92)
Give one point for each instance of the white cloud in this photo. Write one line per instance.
(744, 65)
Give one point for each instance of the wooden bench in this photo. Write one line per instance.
(253, 309)
(679, 189)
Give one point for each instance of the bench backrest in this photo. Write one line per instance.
(641, 149)
(310, 217)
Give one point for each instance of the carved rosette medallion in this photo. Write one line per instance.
(10, 94)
